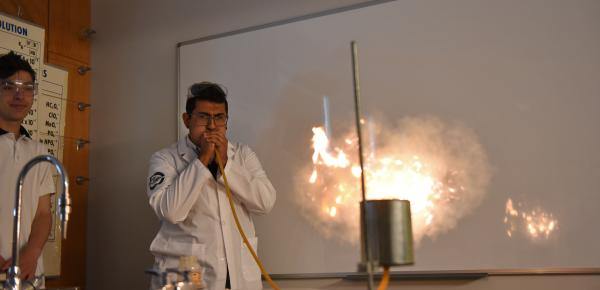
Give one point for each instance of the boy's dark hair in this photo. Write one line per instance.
(11, 63)
(205, 91)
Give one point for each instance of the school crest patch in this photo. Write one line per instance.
(156, 179)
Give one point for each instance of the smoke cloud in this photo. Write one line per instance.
(440, 166)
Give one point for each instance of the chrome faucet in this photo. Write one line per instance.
(13, 282)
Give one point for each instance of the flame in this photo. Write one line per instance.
(433, 178)
(537, 224)
(321, 154)
(313, 177)
(332, 211)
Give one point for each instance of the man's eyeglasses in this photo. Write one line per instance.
(205, 119)
(11, 88)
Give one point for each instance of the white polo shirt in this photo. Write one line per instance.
(14, 154)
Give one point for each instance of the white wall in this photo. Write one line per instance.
(134, 114)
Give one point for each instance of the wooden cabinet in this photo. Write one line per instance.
(76, 160)
(67, 21)
(73, 262)
(35, 11)
(79, 83)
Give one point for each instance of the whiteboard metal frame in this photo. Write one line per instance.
(446, 275)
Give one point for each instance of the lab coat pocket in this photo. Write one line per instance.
(250, 270)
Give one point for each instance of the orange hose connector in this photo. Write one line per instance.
(385, 279)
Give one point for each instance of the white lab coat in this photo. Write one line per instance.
(195, 215)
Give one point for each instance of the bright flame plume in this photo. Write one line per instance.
(441, 168)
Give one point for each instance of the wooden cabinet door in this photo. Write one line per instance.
(35, 11)
(68, 19)
(76, 161)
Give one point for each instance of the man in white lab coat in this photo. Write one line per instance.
(188, 195)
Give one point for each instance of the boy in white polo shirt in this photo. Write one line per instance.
(17, 88)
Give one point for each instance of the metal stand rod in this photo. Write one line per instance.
(364, 236)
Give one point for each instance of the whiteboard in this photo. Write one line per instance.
(511, 86)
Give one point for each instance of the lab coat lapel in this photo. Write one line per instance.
(185, 149)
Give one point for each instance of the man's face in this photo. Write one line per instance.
(15, 101)
(206, 117)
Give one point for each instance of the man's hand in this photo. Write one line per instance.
(207, 151)
(221, 143)
(27, 262)
(213, 143)
(40, 229)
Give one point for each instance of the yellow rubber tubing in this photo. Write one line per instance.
(385, 279)
(239, 227)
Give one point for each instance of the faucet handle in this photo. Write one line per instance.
(13, 282)
(33, 284)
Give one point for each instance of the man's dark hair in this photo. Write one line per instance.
(11, 63)
(206, 91)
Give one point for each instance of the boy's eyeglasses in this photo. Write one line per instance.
(11, 88)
